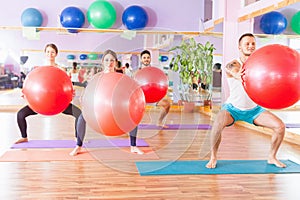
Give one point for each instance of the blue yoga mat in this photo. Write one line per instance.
(176, 126)
(189, 167)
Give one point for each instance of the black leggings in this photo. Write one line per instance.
(133, 135)
(27, 111)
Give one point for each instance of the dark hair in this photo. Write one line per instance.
(145, 52)
(53, 46)
(245, 35)
(74, 64)
(217, 66)
(127, 65)
(119, 68)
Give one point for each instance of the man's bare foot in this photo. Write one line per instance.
(75, 151)
(134, 149)
(276, 162)
(212, 163)
(21, 140)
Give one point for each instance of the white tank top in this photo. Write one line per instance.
(238, 96)
(74, 77)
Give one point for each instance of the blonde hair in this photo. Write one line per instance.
(111, 52)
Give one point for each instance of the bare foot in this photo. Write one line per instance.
(75, 151)
(134, 149)
(212, 163)
(276, 162)
(21, 140)
(162, 125)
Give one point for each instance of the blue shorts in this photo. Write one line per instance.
(243, 115)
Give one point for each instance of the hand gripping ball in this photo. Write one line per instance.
(113, 104)
(48, 90)
(272, 77)
(154, 83)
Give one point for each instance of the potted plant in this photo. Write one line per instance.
(193, 60)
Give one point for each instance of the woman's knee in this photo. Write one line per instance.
(22, 114)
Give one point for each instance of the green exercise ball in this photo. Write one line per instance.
(295, 23)
(93, 56)
(101, 14)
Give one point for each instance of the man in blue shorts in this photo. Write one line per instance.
(239, 107)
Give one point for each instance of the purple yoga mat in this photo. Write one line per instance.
(45, 144)
(292, 125)
(114, 143)
(176, 126)
(71, 143)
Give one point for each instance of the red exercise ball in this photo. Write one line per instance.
(272, 77)
(113, 104)
(48, 90)
(154, 83)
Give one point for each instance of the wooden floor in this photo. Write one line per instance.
(115, 179)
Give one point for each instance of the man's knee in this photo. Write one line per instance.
(280, 127)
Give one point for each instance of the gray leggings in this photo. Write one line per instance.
(81, 128)
(133, 135)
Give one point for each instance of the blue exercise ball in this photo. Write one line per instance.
(70, 57)
(72, 17)
(163, 58)
(135, 17)
(83, 56)
(32, 17)
(273, 23)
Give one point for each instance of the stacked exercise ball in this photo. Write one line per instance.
(101, 14)
(70, 57)
(135, 18)
(72, 17)
(295, 23)
(163, 58)
(48, 90)
(83, 56)
(272, 76)
(113, 104)
(93, 56)
(273, 23)
(32, 17)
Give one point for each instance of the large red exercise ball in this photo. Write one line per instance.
(271, 77)
(113, 104)
(48, 90)
(135, 18)
(32, 17)
(154, 83)
(273, 23)
(295, 23)
(101, 14)
(72, 17)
